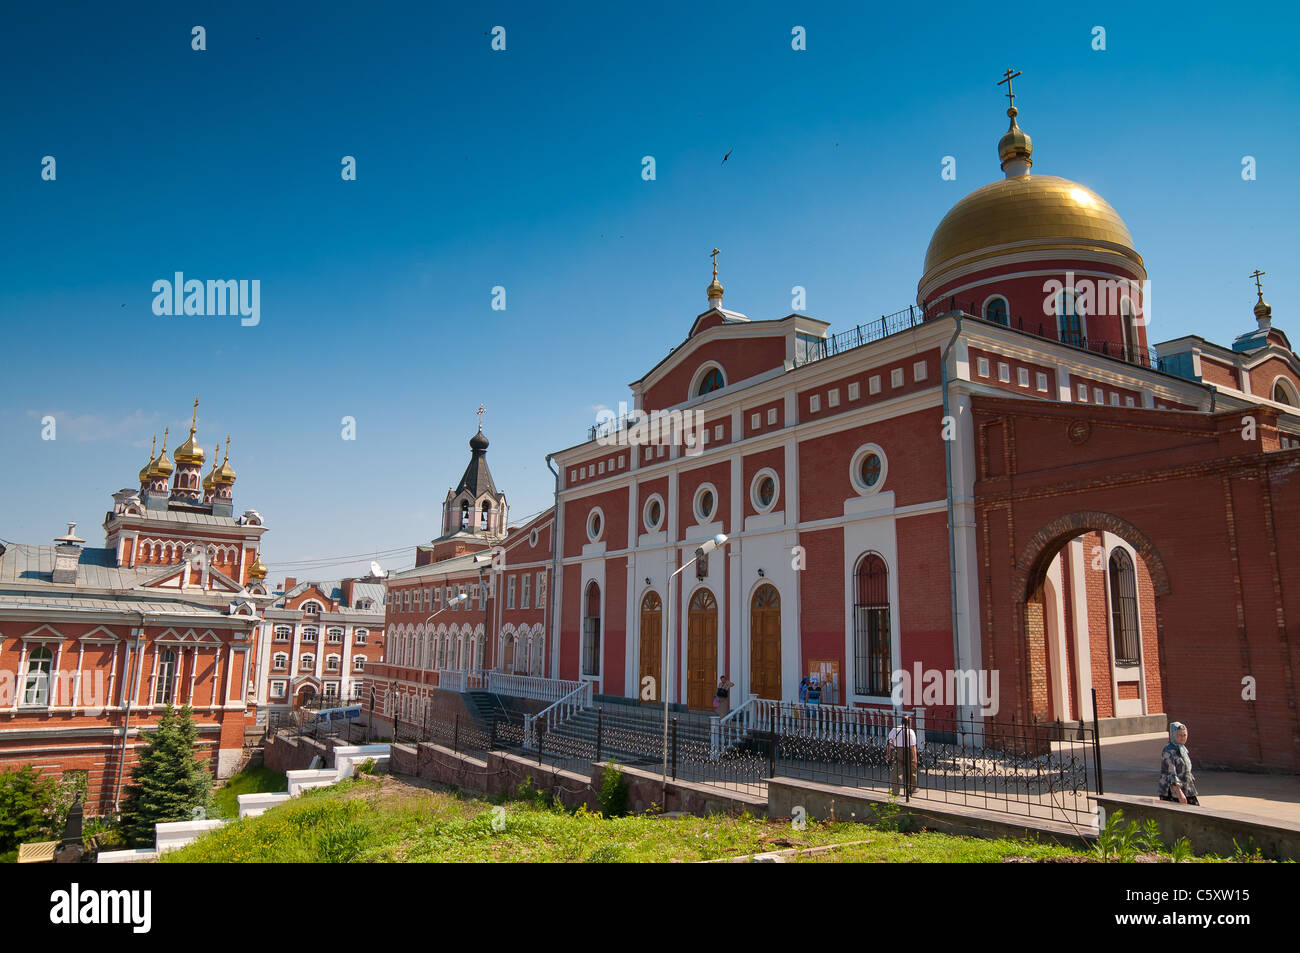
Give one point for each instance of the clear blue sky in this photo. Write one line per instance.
(523, 169)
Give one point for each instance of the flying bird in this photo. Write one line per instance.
(728, 155)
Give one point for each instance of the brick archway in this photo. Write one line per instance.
(1037, 554)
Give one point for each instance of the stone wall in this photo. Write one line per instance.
(1209, 831)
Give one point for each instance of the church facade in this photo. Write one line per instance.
(870, 486)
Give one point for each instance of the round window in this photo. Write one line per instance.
(594, 525)
(706, 504)
(654, 514)
(869, 470)
(766, 491)
(532, 538)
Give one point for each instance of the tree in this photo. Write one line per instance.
(26, 807)
(169, 782)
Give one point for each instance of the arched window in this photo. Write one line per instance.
(307, 663)
(1283, 393)
(464, 513)
(281, 660)
(711, 381)
(311, 608)
(484, 513)
(1069, 321)
(309, 633)
(283, 633)
(1124, 608)
(358, 663)
(162, 693)
(591, 631)
(36, 684)
(871, 627)
(995, 310)
(1132, 351)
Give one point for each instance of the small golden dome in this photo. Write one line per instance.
(258, 569)
(1015, 144)
(210, 479)
(162, 467)
(224, 474)
(1026, 213)
(190, 452)
(715, 288)
(144, 473)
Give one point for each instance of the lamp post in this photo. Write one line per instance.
(453, 602)
(701, 551)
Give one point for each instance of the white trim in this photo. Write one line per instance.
(645, 510)
(701, 517)
(753, 490)
(855, 465)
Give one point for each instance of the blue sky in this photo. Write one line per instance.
(522, 169)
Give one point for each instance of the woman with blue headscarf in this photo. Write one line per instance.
(1177, 783)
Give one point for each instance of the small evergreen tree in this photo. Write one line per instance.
(169, 782)
(26, 807)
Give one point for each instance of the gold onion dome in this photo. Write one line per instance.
(162, 466)
(225, 473)
(1027, 213)
(1016, 144)
(190, 452)
(258, 569)
(210, 479)
(144, 473)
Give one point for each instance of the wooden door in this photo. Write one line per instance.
(652, 648)
(765, 643)
(702, 651)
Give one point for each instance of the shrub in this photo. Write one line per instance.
(613, 791)
(169, 783)
(27, 809)
(367, 766)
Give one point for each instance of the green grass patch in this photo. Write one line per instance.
(259, 780)
(361, 822)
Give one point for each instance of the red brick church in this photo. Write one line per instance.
(1005, 477)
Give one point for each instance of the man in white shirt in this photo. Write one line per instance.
(900, 752)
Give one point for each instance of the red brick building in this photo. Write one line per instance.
(873, 488)
(94, 642)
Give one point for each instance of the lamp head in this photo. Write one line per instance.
(710, 545)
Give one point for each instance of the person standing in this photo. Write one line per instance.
(1177, 783)
(900, 752)
(803, 695)
(722, 698)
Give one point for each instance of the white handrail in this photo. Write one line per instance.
(557, 713)
(731, 727)
(832, 722)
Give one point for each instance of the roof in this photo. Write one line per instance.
(334, 589)
(50, 601)
(96, 568)
(477, 477)
(456, 564)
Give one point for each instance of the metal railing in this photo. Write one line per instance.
(555, 714)
(833, 722)
(726, 732)
(529, 686)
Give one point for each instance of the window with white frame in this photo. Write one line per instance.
(982, 366)
(281, 660)
(277, 689)
(754, 421)
(833, 397)
(855, 390)
(165, 680)
(814, 403)
(510, 592)
(311, 608)
(919, 371)
(1004, 372)
(36, 681)
(358, 663)
(896, 377)
(873, 384)
(331, 663)
(334, 635)
(872, 632)
(1022, 376)
(771, 415)
(309, 633)
(283, 633)
(359, 636)
(541, 589)
(525, 585)
(1042, 382)
(307, 663)
(1083, 393)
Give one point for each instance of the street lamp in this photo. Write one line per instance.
(701, 551)
(453, 602)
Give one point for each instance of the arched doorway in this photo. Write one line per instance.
(508, 655)
(765, 642)
(306, 695)
(702, 650)
(652, 648)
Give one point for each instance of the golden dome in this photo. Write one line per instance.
(225, 473)
(1015, 144)
(162, 467)
(1027, 213)
(715, 288)
(258, 569)
(190, 452)
(210, 479)
(144, 473)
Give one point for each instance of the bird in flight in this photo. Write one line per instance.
(728, 155)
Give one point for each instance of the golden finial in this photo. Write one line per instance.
(1257, 274)
(164, 449)
(1015, 148)
(227, 459)
(1007, 77)
(715, 286)
(195, 419)
(153, 446)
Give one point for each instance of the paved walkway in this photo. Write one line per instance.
(1131, 765)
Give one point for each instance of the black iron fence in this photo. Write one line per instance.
(1044, 771)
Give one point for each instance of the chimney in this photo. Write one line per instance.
(290, 582)
(67, 554)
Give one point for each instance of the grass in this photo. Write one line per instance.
(380, 820)
(259, 780)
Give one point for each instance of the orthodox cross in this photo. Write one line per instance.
(1007, 77)
(1258, 287)
(715, 263)
(480, 413)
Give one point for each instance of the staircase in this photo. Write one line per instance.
(629, 733)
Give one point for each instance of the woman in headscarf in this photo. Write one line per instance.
(1177, 783)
